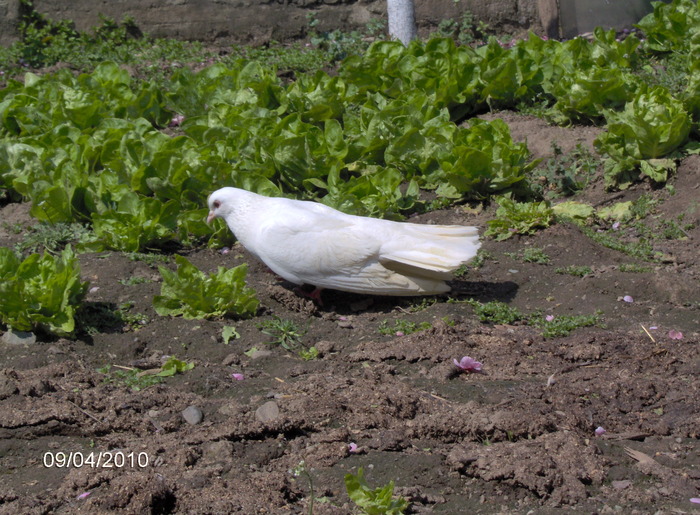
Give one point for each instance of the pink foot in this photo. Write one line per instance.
(314, 295)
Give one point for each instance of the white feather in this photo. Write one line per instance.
(310, 243)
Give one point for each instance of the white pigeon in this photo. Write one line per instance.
(310, 243)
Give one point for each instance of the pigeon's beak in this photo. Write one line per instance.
(211, 216)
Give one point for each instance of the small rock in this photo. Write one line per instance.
(8, 383)
(325, 347)
(13, 337)
(345, 324)
(192, 415)
(260, 354)
(218, 451)
(232, 409)
(621, 485)
(231, 359)
(267, 412)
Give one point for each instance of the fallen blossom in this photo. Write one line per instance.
(616, 226)
(83, 495)
(653, 328)
(695, 500)
(238, 377)
(549, 318)
(628, 298)
(599, 431)
(176, 120)
(399, 333)
(675, 335)
(468, 364)
(352, 447)
(225, 250)
(93, 289)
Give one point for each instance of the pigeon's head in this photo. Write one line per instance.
(220, 203)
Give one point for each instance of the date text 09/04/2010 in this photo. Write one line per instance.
(102, 459)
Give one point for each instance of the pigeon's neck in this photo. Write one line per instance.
(242, 215)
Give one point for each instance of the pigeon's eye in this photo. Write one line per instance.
(217, 204)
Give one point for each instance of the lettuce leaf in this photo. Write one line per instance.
(190, 293)
(41, 292)
(652, 126)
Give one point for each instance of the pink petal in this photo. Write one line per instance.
(653, 328)
(468, 364)
(628, 298)
(549, 318)
(675, 335)
(83, 495)
(352, 447)
(176, 120)
(399, 333)
(695, 500)
(238, 377)
(599, 431)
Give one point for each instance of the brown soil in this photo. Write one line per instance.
(517, 438)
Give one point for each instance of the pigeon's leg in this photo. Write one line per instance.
(314, 294)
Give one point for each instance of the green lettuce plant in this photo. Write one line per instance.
(190, 293)
(374, 501)
(41, 292)
(643, 137)
(514, 217)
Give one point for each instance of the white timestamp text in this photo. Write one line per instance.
(102, 459)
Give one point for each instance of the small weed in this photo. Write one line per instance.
(101, 317)
(288, 335)
(140, 379)
(424, 303)
(672, 230)
(132, 378)
(477, 262)
(644, 206)
(535, 255)
(52, 237)
(152, 260)
(15, 228)
(632, 268)
(373, 500)
(669, 70)
(464, 31)
(302, 470)
(562, 325)
(495, 312)
(402, 326)
(564, 175)
(450, 322)
(530, 255)
(577, 271)
(284, 332)
(134, 280)
(640, 250)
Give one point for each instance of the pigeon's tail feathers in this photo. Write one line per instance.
(431, 251)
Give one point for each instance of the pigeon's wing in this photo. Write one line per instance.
(310, 243)
(319, 246)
